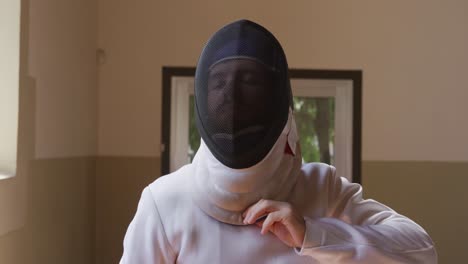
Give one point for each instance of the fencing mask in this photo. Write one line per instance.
(242, 93)
(243, 108)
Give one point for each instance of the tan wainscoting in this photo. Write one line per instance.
(434, 194)
(60, 215)
(119, 183)
(78, 209)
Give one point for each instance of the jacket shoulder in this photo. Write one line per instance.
(318, 173)
(171, 188)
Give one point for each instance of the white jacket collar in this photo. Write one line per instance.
(224, 193)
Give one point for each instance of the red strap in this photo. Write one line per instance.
(288, 150)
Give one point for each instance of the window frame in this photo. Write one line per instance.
(346, 79)
(10, 86)
(13, 190)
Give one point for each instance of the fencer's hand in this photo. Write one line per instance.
(281, 219)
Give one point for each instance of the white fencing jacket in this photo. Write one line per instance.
(179, 220)
(341, 227)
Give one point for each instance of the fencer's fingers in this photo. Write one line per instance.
(269, 221)
(259, 209)
(244, 214)
(257, 215)
(259, 223)
(249, 209)
(261, 218)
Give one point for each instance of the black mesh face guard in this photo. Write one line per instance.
(242, 93)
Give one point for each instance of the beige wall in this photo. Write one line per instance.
(62, 59)
(412, 54)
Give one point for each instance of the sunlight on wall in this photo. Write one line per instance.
(9, 81)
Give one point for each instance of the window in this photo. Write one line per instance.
(9, 85)
(326, 109)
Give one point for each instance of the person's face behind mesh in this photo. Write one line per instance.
(238, 99)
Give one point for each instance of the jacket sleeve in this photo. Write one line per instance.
(363, 231)
(145, 241)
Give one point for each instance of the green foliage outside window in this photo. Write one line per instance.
(194, 137)
(315, 119)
